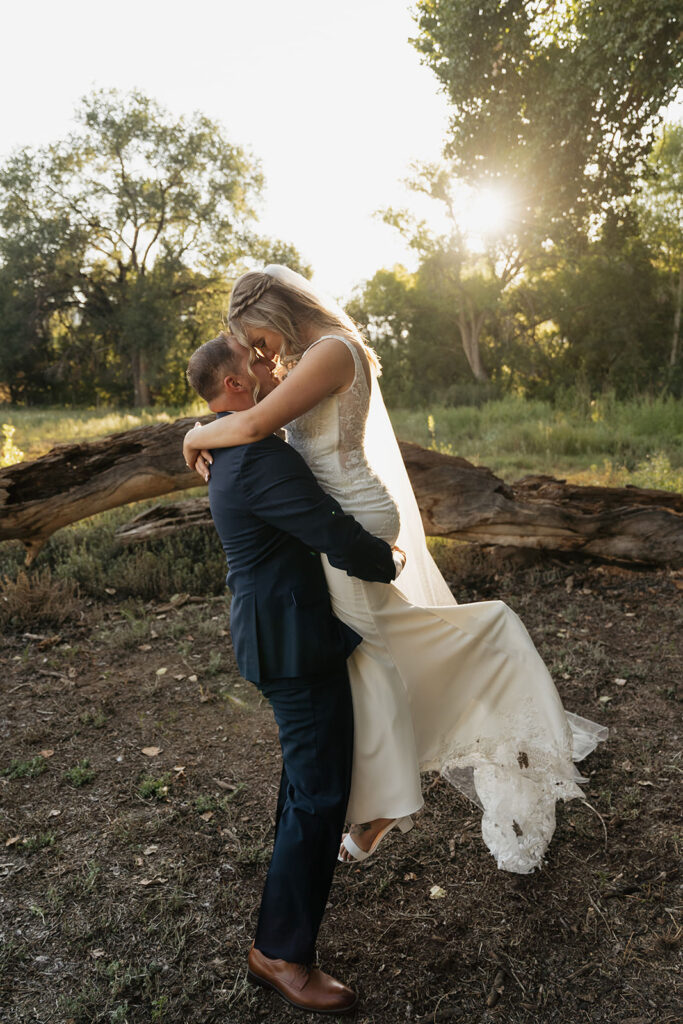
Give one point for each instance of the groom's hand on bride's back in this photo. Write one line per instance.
(399, 560)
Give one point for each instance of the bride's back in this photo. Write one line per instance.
(331, 438)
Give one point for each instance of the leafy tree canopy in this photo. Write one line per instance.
(558, 97)
(115, 244)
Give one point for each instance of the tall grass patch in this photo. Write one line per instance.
(88, 558)
(36, 430)
(639, 441)
(33, 600)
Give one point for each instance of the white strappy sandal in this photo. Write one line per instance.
(404, 824)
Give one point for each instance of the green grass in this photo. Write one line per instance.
(81, 774)
(36, 430)
(604, 441)
(25, 769)
(88, 556)
(608, 442)
(150, 788)
(32, 844)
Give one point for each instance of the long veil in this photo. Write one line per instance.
(420, 582)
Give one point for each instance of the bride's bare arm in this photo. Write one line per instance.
(327, 369)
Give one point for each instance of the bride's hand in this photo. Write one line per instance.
(203, 464)
(196, 458)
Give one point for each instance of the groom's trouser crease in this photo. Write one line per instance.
(315, 721)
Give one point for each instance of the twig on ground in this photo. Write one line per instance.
(441, 999)
(586, 804)
(497, 989)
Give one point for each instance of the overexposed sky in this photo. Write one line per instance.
(329, 95)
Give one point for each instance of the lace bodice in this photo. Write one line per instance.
(331, 438)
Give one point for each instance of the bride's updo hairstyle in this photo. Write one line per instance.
(281, 300)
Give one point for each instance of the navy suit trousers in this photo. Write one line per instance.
(315, 721)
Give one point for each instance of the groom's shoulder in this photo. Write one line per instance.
(271, 451)
(239, 453)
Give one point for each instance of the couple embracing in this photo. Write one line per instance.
(373, 671)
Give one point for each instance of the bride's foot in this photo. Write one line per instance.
(365, 838)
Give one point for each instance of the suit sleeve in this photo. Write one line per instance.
(283, 492)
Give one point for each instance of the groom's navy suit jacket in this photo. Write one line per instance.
(273, 519)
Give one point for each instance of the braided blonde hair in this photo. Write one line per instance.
(259, 300)
(252, 287)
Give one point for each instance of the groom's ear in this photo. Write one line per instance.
(234, 385)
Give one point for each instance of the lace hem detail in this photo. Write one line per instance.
(517, 789)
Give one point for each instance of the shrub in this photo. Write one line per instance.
(35, 599)
(25, 769)
(88, 558)
(150, 788)
(81, 774)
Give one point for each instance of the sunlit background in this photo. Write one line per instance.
(331, 97)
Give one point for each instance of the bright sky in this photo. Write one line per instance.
(329, 95)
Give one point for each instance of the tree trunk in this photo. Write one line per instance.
(75, 481)
(138, 365)
(456, 499)
(470, 332)
(678, 299)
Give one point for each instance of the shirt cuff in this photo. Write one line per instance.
(399, 562)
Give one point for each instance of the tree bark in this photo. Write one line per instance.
(74, 481)
(141, 396)
(678, 300)
(470, 331)
(456, 500)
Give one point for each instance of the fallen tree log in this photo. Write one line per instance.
(74, 481)
(456, 500)
(468, 502)
(615, 523)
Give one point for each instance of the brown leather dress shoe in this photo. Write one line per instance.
(307, 988)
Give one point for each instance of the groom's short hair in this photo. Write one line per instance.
(211, 363)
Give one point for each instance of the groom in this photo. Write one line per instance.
(273, 519)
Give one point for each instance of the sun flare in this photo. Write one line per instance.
(484, 214)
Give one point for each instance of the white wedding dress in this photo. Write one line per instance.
(436, 686)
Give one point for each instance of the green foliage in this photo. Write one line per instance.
(204, 803)
(160, 1008)
(661, 213)
(412, 322)
(95, 718)
(81, 774)
(86, 558)
(116, 250)
(598, 321)
(558, 99)
(457, 291)
(39, 428)
(25, 769)
(32, 844)
(150, 788)
(517, 436)
(595, 315)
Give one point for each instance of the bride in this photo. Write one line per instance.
(436, 686)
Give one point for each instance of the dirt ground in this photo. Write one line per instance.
(137, 788)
